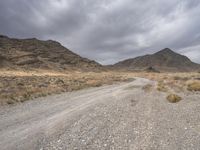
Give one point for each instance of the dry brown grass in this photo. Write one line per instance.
(173, 98)
(169, 82)
(194, 86)
(162, 87)
(19, 86)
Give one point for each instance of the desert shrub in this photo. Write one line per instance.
(173, 98)
(195, 86)
(10, 102)
(177, 78)
(161, 87)
(181, 78)
(94, 83)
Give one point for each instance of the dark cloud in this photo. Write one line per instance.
(107, 30)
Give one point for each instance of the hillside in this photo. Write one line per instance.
(164, 60)
(37, 54)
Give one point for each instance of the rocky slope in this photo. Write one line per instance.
(164, 60)
(37, 54)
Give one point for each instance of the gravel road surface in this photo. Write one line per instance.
(121, 116)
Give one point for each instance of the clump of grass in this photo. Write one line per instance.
(194, 86)
(10, 102)
(94, 83)
(177, 78)
(161, 87)
(173, 98)
(181, 78)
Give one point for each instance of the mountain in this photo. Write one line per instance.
(37, 54)
(164, 60)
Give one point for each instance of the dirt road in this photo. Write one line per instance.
(121, 116)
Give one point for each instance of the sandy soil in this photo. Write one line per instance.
(120, 116)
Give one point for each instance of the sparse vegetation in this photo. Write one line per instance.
(177, 78)
(10, 101)
(161, 61)
(181, 78)
(173, 98)
(31, 54)
(169, 82)
(161, 87)
(21, 86)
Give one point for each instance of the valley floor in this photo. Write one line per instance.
(119, 116)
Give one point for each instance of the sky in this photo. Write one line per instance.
(107, 31)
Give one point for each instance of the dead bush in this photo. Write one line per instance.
(194, 86)
(162, 87)
(173, 98)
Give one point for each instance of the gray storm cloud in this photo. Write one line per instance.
(105, 30)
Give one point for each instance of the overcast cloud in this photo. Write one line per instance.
(107, 30)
